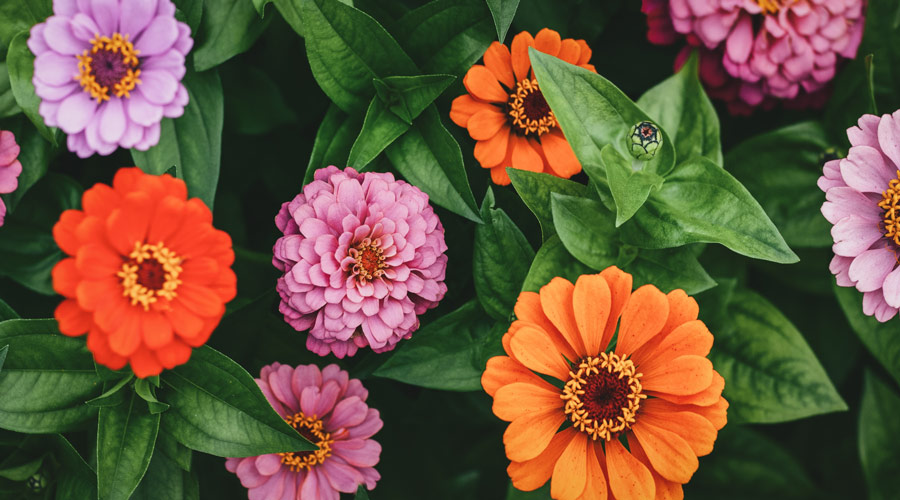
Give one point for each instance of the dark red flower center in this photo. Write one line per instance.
(605, 394)
(535, 105)
(109, 67)
(528, 111)
(151, 274)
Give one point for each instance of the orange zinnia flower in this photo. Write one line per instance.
(147, 276)
(507, 114)
(656, 390)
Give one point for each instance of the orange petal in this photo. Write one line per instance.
(491, 152)
(589, 67)
(556, 301)
(98, 344)
(91, 229)
(716, 413)
(127, 224)
(484, 125)
(699, 432)
(127, 179)
(590, 301)
(596, 487)
(569, 473)
(144, 364)
(199, 271)
(500, 177)
(548, 42)
(706, 397)
(620, 284)
(166, 219)
(525, 155)
(91, 293)
(185, 323)
(498, 60)
(126, 338)
(73, 320)
(560, 155)
(528, 436)
(482, 84)
(97, 261)
(65, 277)
(692, 337)
(569, 51)
(520, 61)
(200, 300)
(665, 489)
(515, 400)
(586, 52)
(100, 200)
(174, 354)
(532, 474)
(534, 349)
(64, 231)
(681, 376)
(225, 285)
(644, 315)
(629, 479)
(670, 455)
(503, 370)
(682, 308)
(157, 331)
(528, 309)
(173, 186)
(464, 107)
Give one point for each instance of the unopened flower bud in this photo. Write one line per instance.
(645, 139)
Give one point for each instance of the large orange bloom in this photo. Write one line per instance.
(147, 276)
(507, 114)
(655, 390)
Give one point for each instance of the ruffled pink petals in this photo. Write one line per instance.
(871, 267)
(10, 167)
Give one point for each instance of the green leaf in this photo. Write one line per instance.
(870, 80)
(254, 104)
(46, 378)
(535, 190)
(670, 269)
(702, 203)
(166, 478)
(112, 396)
(629, 187)
(192, 142)
(346, 49)
(879, 432)
(361, 493)
(429, 158)
(261, 6)
(34, 155)
(501, 260)
(593, 112)
(7, 312)
(771, 374)
(780, 169)
(552, 260)
(20, 63)
(684, 110)
(229, 28)
(333, 141)
(22, 471)
(148, 393)
(586, 229)
(449, 353)
(3, 351)
(881, 339)
(20, 15)
(408, 96)
(380, 129)
(126, 436)
(77, 481)
(176, 452)
(503, 12)
(217, 408)
(190, 12)
(8, 105)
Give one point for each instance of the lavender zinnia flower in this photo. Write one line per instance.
(362, 256)
(108, 71)
(10, 168)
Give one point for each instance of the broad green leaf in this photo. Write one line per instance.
(408, 96)
(535, 190)
(683, 109)
(542, 493)
(190, 12)
(3, 351)
(333, 141)
(553, 260)
(20, 15)
(670, 269)
(8, 105)
(20, 63)
(228, 28)
(429, 157)
(503, 12)
(254, 105)
(879, 433)
(20, 472)
(34, 155)
(586, 229)
(361, 493)
(217, 408)
(346, 49)
(881, 339)
(7, 312)
(771, 374)
(46, 378)
(780, 169)
(593, 112)
(165, 478)
(126, 436)
(630, 188)
(501, 260)
(449, 353)
(192, 142)
(702, 203)
(261, 6)
(77, 481)
(176, 452)
(380, 129)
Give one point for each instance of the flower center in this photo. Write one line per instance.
(888, 203)
(603, 395)
(528, 110)
(369, 260)
(150, 272)
(111, 63)
(312, 429)
(769, 6)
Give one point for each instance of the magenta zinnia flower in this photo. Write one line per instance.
(10, 168)
(863, 202)
(362, 256)
(108, 71)
(329, 409)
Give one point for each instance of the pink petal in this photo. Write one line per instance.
(158, 86)
(59, 37)
(865, 170)
(55, 69)
(870, 268)
(159, 36)
(268, 464)
(112, 120)
(135, 16)
(854, 235)
(891, 288)
(75, 112)
(359, 453)
(889, 138)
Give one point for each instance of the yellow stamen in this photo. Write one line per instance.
(312, 429)
(369, 259)
(133, 274)
(87, 77)
(891, 197)
(527, 98)
(769, 6)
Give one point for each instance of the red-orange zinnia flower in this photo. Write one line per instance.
(147, 276)
(507, 114)
(655, 389)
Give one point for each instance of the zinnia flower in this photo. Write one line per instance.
(329, 409)
(362, 256)
(654, 389)
(10, 168)
(108, 71)
(863, 202)
(507, 114)
(147, 276)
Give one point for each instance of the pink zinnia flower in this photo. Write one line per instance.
(362, 256)
(10, 168)
(108, 71)
(329, 409)
(863, 202)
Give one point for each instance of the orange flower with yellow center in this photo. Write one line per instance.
(507, 114)
(146, 277)
(654, 389)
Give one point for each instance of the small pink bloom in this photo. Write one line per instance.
(362, 256)
(863, 202)
(329, 409)
(10, 168)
